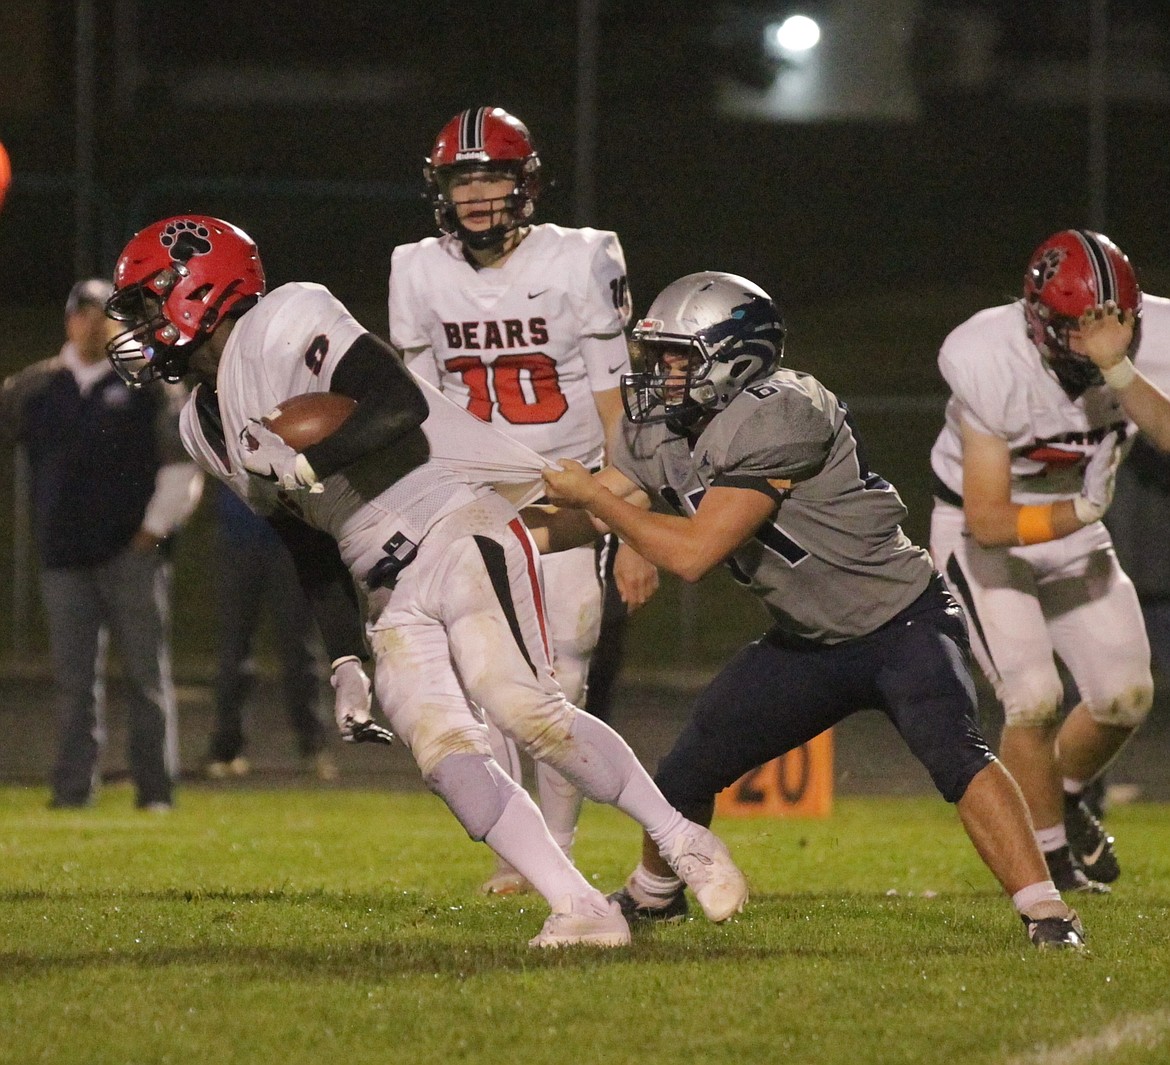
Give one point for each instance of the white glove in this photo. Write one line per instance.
(266, 455)
(1100, 479)
(351, 704)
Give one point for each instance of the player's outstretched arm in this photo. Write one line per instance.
(689, 547)
(559, 528)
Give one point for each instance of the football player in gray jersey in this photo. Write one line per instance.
(764, 471)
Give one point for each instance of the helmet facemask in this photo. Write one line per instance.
(665, 383)
(151, 348)
(517, 207)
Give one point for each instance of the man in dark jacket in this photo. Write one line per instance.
(110, 485)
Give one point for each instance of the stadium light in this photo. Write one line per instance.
(793, 38)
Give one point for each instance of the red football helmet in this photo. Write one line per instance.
(1070, 272)
(483, 138)
(175, 282)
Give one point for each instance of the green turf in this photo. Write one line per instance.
(287, 927)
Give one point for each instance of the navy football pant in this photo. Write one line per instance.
(775, 695)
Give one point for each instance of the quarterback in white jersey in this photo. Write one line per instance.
(455, 610)
(522, 326)
(1045, 401)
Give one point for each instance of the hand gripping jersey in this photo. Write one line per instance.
(1001, 385)
(506, 343)
(834, 563)
(289, 344)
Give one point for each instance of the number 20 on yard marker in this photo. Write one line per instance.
(797, 784)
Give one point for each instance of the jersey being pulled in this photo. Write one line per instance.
(506, 343)
(289, 344)
(1001, 385)
(834, 563)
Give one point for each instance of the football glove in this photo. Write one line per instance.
(268, 456)
(351, 704)
(1100, 480)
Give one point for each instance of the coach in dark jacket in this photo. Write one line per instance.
(110, 485)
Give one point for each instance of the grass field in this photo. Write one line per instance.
(289, 927)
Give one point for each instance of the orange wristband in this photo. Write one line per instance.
(1034, 524)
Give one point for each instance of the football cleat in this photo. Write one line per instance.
(675, 909)
(1067, 875)
(585, 921)
(1091, 845)
(1056, 933)
(702, 861)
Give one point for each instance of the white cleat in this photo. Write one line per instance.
(703, 862)
(585, 921)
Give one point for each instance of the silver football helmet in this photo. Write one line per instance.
(705, 338)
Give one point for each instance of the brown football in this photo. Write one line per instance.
(307, 419)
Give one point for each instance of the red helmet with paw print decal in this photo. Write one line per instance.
(1069, 273)
(174, 282)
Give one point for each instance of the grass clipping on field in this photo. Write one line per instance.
(290, 927)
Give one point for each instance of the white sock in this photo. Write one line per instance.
(1075, 788)
(649, 889)
(1026, 900)
(560, 802)
(1051, 839)
(521, 838)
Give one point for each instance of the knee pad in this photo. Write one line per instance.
(1031, 700)
(1127, 710)
(475, 789)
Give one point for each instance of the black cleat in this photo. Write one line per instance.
(1056, 933)
(1094, 797)
(674, 910)
(1067, 875)
(1091, 845)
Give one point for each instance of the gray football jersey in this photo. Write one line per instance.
(834, 563)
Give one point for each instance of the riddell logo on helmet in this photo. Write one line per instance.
(477, 155)
(650, 325)
(1047, 266)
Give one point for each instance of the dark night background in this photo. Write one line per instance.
(308, 128)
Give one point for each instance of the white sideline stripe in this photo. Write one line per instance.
(1146, 1030)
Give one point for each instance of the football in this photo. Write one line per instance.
(307, 419)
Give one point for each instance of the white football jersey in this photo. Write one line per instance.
(506, 343)
(287, 345)
(1001, 386)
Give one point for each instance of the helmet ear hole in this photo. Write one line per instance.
(740, 367)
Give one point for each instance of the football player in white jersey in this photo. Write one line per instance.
(455, 611)
(1046, 394)
(523, 326)
(764, 471)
